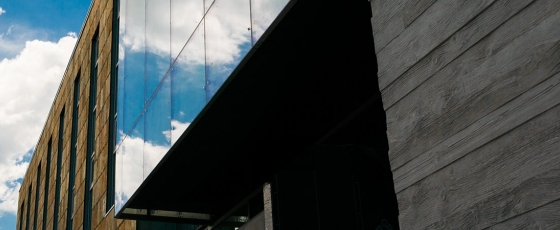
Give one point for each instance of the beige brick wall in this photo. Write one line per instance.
(99, 18)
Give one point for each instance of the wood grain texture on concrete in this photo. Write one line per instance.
(505, 205)
(508, 117)
(386, 21)
(499, 167)
(462, 40)
(545, 217)
(475, 84)
(470, 90)
(437, 23)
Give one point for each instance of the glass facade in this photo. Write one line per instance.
(174, 55)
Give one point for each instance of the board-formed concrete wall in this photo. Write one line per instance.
(472, 92)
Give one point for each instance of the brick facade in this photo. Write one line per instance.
(99, 19)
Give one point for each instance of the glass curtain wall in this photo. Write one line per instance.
(174, 55)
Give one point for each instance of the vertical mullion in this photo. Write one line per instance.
(110, 195)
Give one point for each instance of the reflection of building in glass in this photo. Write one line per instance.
(267, 114)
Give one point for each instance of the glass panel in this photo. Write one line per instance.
(119, 133)
(183, 24)
(157, 43)
(120, 77)
(187, 84)
(207, 5)
(228, 39)
(131, 151)
(263, 12)
(204, 41)
(119, 203)
(157, 127)
(134, 57)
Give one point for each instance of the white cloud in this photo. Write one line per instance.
(164, 30)
(174, 30)
(135, 161)
(177, 128)
(264, 12)
(12, 41)
(137, 158)
(2, 11)
(28, 84)
(227, 24)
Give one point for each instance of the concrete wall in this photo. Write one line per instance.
(471, 93)
(100, 17)
(471, 90)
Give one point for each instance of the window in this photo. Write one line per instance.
(73, 151)
(58, 167)
(37, 186)
(28, 208)
(90, 156)
(47, 179)
(21, 215)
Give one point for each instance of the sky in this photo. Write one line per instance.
(36, 40)
(202, 54)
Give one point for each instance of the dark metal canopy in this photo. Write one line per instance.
(310, 80)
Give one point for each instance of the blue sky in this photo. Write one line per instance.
(36, 40)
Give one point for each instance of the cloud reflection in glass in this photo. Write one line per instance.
(174, 55)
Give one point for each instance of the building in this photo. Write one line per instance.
(227, 117)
